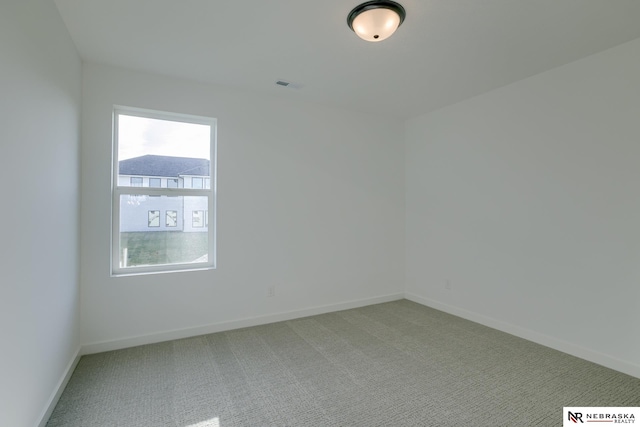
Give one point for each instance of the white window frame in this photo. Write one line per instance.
(117, 191)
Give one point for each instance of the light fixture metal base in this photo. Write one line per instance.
(382, 4)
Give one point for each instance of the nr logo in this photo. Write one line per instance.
(575, 417)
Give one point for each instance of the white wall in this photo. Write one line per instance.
(310, 200)
(39, 142)
(527, 199)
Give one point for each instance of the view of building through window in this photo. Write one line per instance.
(163, 194)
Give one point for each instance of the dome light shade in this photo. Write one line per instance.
(375, 21)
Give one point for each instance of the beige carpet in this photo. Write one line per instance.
(392, 364)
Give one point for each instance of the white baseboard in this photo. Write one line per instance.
(100, 347)
(57, 392)
(546, 340)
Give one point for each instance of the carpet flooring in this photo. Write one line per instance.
(391, 364)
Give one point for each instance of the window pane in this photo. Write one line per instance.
(154, 218)
(196, 182)
(154, 183)
(197, 219)
(141, 136)
(173, 241)
(162, 148)
(172, 219)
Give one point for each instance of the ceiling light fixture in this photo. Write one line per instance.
(375, 21)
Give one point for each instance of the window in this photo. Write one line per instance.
(155, 183)
(198, 219)
(149, 147)
(171, 219)
(154, 218)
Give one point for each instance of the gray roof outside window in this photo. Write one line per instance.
(152, 165)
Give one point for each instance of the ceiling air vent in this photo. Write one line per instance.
(290, 85)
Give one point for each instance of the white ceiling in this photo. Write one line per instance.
(446, 50)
